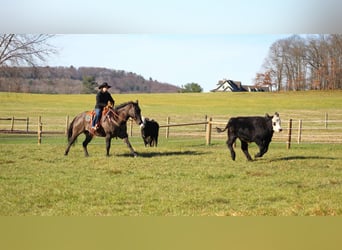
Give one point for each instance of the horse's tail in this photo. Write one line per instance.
(70, 130)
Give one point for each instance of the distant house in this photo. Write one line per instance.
(236, 86)
(228, 86)
(264, 88)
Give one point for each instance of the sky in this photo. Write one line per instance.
(173, 41)
(176, 59)
(171, 16)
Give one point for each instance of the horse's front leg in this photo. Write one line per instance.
(85, 143)
(108, 142)
(135, 154)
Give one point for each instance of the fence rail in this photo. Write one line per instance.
(13, 119)
(294, 131)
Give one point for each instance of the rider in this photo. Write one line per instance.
(102, 99)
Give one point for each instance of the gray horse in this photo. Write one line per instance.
(114, 124)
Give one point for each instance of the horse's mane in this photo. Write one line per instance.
(123, 105)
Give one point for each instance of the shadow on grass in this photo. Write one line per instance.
(301, 157)
(160, 154)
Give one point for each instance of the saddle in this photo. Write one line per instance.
(90, 115)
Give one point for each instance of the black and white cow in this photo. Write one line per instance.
(150, 132)
(251, 129)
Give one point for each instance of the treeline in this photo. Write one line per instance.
(303, 63)
(71, 80)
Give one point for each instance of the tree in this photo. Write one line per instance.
(25, 49)
(312, 62)
(89, 85)
(263, 79)
(191, 87)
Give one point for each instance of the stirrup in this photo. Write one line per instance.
(92, 130)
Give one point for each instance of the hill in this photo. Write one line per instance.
(69, 80)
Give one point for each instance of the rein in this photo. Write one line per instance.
(116, 116)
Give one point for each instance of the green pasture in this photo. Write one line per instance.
(182, 176)
(183, 105)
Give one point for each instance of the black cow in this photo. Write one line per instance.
(251, 129)
(150, 132)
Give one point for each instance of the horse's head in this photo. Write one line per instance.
(135, 113)
(129, 110)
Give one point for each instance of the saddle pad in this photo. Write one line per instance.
(89, 115)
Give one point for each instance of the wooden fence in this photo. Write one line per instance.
(15, 129)
(13, 120)
(294, 131)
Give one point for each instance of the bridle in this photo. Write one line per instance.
(141, 123)
(115, 118)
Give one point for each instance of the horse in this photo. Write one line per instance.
(114, 124)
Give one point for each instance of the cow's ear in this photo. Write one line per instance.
(137, 101)
(276, 114)
(267, 115)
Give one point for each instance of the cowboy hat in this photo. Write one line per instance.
(104, 85)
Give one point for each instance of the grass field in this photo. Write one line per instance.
(182, 176)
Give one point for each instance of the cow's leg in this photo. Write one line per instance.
(230, 143)
(244, 147)
(130, 147)
(154, 141)
(149, 140)
(146, 141)
(86, 141)
(263, 147)
(108, 143)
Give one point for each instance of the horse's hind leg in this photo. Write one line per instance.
(67, 149)
(86, 141)
(71, 142)
(130, 147)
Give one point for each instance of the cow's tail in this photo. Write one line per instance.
(220, 130)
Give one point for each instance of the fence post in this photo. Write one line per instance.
(167, 128)
(208, 131)
(299, 132)
(205, 125)
(27, 125)
(12, 123)
(66, 124)
(326, 120)
(289, 135)
(40, 128)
